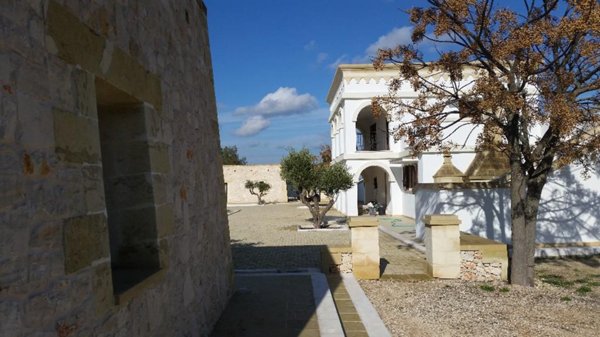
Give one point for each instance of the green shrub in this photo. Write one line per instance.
(556, 280)
(487, 287)
(583, 290)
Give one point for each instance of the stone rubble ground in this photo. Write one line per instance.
(458, 308)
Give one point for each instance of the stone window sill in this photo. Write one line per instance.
(149, 278)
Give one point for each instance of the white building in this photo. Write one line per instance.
(386, 173)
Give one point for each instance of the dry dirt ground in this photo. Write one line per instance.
(564, 302)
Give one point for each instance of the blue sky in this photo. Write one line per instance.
(274, 61)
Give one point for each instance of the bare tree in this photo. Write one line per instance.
(537, 67)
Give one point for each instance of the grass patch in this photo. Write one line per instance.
(583, 290)
(556, 280)
(565, 299)
(487, 287)
(594, 284)
(504, 289)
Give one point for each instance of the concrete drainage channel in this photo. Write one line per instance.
(327, 314)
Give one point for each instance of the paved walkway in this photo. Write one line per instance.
(399, 261)
(283, 301)
(267, 237)
(266, 305)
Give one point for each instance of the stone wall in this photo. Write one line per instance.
(472, 267)
(112, 213)
(237, 175)
(336, 260)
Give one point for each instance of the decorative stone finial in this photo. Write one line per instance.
(448, 173)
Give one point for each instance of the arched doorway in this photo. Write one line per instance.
(373, 188)
(372, 133)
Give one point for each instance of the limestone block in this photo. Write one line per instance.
(154, 124)
(370, 272)
(93, 188)
(84, 92)
(160, 162)
(32, 79)
(138, 82)
(163, 253)
(38, 133)
(85, 240)
(9, 118)
(11, 312)
(75, 42)
(103, 288)
(442, 241)
(365, 248)
(165, 220)
(159, 187)
(47, 235)
(77, 138)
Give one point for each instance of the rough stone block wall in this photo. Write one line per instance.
(472, 267)
(59, 59)
(237, 175)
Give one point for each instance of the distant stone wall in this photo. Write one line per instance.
(237, 175)
(112, 211)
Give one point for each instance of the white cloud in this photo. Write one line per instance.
(252, 126)
(312, 44)
(321, 57)
(338, 61)
(395, 37)
(284, 101)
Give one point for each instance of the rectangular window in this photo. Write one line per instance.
(373, 137)
(409, 177)
(128, 187)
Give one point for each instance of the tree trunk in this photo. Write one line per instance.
(314, 211)
(525, 198)
(326, 209)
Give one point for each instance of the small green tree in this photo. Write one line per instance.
(231, 157)
(262, 188)
(312, 177)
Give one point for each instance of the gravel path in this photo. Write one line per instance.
(456, 308)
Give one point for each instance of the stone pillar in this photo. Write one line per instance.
(365, 247)
(442, 242)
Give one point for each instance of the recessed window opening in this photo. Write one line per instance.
(409, 178)
(372, 132)
(128, 187)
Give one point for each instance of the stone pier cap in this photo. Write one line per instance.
(363, 221)
(441, 220)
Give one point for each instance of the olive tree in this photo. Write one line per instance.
(312, 177)
(258, 188)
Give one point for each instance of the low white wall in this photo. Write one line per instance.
(237, 175)
(408, 205)
(569, 211)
